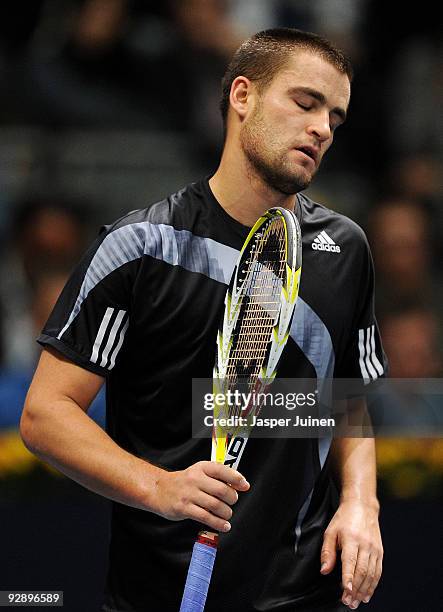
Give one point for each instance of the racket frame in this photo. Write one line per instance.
(228, 444)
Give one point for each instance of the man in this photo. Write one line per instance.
(142, 311)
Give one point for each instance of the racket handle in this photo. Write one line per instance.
(199, 573)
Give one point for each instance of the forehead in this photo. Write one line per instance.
(309, 70)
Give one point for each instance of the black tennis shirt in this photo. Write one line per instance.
(142, 309)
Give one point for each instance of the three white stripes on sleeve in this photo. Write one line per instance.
(118, 327)
(370, 365)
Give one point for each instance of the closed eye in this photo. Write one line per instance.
(310, 98)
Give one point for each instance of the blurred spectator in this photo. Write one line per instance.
(410, 404)
(47, 283)
(206, 25)
(21, 349)
(207, 39)
(47, 288)
(419, 177)
(412, 341)
(47, 237)
(399, 231)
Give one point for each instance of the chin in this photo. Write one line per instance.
(290, 185)
(293, 182)
(280, 175)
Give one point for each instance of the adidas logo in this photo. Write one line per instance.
(323, 242)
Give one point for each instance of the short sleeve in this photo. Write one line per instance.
(363, 358)
(91, 317)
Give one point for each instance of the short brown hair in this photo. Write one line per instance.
(262, 55)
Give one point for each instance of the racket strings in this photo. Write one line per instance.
(264, 274)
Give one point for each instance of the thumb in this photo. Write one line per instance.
(328, 552)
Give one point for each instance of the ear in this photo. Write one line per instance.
(240, 95)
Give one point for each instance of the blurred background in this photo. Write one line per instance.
(109, 105)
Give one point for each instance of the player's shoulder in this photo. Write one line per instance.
(320, 223)
(151, 231)
(174, 210)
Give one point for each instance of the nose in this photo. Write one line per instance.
(319, 126)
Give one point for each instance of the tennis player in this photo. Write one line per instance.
(141, 312)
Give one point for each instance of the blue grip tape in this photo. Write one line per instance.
(199, 577)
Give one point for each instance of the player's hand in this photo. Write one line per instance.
(355, 531)
(203, 492)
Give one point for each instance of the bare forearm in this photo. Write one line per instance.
(354, 528)
(354, 461)
(68, 439)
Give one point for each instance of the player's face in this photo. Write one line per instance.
(291, 123)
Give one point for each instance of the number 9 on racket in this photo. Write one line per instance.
(259, 306)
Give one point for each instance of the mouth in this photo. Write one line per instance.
(311, 152)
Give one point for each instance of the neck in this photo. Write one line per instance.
(242, 193)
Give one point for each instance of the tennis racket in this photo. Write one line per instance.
(259, 306)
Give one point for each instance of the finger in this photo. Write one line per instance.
(220, 490)
(213, 505)
(328, 553)
(206, 518)
(376, 580)
(349, 556)
(360, 573)
(226, 474)
(365, 586)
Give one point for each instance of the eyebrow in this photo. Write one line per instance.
(320, 98)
